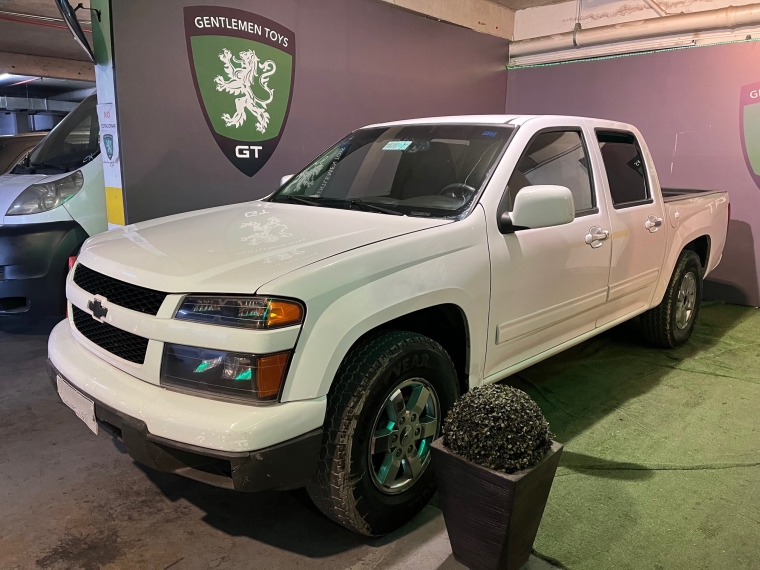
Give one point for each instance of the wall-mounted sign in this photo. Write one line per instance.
(109, 138)
(243, 67)
(749, 125)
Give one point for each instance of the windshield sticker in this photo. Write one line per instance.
(311, 173)
(490, 133)
(397, 145)
(333, 164)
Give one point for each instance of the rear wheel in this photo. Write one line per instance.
(384, 410)
(671, 323)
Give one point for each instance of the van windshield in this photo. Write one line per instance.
(415, 170)
(70, 145)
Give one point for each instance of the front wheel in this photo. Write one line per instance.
(384, 410)
(671, 323)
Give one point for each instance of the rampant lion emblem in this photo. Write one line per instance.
(241, 81)
(270, 232)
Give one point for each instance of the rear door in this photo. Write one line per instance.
(639, 236)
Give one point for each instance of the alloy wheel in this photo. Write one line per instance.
(686, 300)
(408, 422)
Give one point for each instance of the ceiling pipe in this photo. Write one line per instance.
(723, 18)
(35, 105)
(37, 20)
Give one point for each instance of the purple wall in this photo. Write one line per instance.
(686, 103)
(358, 62)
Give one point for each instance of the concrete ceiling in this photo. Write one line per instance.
(35, 46)
(522, 4)
(38, 37)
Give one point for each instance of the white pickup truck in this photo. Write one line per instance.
(318, 336)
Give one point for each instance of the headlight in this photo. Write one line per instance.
(241, 312)
(242, 376)
(46, 196)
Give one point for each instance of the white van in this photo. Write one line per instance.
(50, 202)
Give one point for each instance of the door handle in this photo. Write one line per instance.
(653, 223)
(596, 236)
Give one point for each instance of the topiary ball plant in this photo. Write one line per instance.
(498, 427)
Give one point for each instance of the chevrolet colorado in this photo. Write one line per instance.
(317, 337)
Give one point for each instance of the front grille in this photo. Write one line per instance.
(116, 341)
(117, 292)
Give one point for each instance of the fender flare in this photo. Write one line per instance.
(669, 263)
(325, 365)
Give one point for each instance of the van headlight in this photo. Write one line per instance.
(241, 312)
(46, 196)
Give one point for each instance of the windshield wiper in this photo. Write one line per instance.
(368, 206)
(307, 201)
(36, 165)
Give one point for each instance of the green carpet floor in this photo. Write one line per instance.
(661, 468)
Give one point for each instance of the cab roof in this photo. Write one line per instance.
(484, 119)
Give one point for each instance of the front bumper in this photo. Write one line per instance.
(181, 417)
(33, 266)
(287, 465)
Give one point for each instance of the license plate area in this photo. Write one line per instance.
(80, 404)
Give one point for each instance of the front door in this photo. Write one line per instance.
(548, 285)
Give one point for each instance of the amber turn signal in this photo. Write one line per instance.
(270, 373)
(283, 313)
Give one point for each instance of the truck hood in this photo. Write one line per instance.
(11, 185)
(239, 248)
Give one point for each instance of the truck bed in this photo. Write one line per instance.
(675, 194)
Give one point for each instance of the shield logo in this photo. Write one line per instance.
(243, 67)
(108, 143)
(749, 125)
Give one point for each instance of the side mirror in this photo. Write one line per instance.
(70, 19)
(539, 207)
(285, 179)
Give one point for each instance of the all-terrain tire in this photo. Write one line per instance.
(658, 325)
(343, 487)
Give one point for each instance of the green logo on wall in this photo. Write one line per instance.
(749, 125)
(108, 143)
(243, 66)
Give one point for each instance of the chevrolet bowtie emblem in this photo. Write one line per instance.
(99, 312)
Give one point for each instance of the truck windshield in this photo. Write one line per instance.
(416, 170)
(69, 146)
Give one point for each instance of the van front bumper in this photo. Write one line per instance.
(33, 266)
(230, 445)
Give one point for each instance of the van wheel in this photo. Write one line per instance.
(671, 323)
(384, 410)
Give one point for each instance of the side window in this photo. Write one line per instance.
(626, 172)
(557, 158)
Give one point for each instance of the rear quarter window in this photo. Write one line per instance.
(625, 168)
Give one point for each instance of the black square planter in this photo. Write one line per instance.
(492, 517)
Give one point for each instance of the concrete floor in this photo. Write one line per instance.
(69, 499)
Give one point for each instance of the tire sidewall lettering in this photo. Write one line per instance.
(416, 361)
